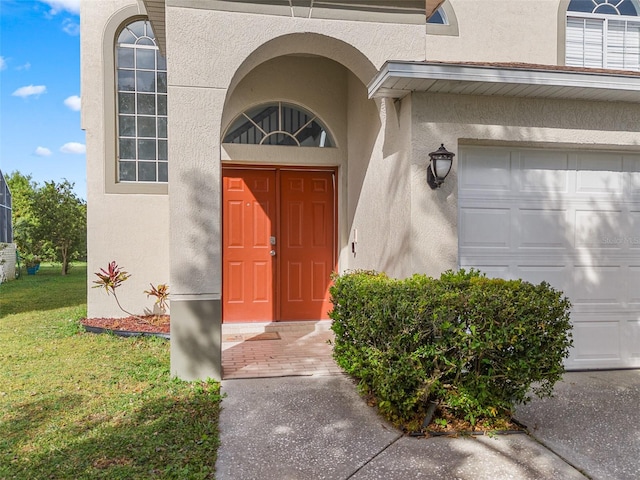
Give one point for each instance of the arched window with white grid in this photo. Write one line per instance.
(141, 83)
(281, 124)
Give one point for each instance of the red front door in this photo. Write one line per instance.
(278, 244)
(248, 216)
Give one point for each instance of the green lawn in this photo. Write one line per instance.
(75, 405)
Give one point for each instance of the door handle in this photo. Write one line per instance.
(272, 253)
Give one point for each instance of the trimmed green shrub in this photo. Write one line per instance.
(475, 345)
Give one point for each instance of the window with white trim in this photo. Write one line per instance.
(603, 34)
(439, 17)
(141, 83)
(278, 124)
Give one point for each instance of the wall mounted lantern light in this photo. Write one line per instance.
(439, 166)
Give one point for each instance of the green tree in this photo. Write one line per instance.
(61, 222)
(23, 189)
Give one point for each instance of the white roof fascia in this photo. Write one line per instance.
(500, 75)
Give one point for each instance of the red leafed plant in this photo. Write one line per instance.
(110, 279)
(161, 292)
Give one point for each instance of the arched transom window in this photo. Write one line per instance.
(279, 124)
(439, 17)
(603, 34)
(142, 105)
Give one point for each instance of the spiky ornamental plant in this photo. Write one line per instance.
(110, 279)
(161, 292)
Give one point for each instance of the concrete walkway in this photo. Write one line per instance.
(298, 418)
(592, 422)
(311, 428)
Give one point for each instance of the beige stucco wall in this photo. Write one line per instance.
(131, 229)
(500, 31)
(379, 195)
(213, 45)
(466, 119)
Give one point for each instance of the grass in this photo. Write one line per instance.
(83, 406)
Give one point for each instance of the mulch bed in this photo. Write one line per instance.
(452, 426)
(143, 323)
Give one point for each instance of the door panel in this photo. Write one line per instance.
(295, 209)
(249, 212)
(307, 246)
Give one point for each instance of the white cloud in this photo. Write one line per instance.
(3, 63)
(73, 147)
(42, 152)
(73, 102)
(57, 6)
(30, 90)
(26, 66)
(70, 27)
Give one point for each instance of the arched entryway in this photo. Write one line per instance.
(284, 178)
(278, 222)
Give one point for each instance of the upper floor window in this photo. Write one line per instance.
(443, 21)
(141, 84)
(603, 34)
(278, 124)
(439, 17)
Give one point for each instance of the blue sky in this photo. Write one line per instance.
(40, 131)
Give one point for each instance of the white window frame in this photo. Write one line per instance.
(450, 28)
(108, 110)
(281, 127)
(137, 161)
(630, 60)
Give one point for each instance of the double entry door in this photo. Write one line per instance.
(279, 240)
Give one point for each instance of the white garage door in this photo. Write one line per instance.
(571, 218)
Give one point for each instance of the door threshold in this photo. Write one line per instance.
(283, 326)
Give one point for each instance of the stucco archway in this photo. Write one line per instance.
(306, 44)
(322, 75)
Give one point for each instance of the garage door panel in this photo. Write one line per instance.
(486, 170)
(596, 341)
(492, 270)
(599, 173)
(544, 172)
(592, 227)
(485, 227)
(573, 221)
(632, 334)
(631, 237)
(632, 165)
(633, 285)
(555, 275)
(597, 284)
(542, 228)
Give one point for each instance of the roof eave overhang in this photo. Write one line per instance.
(156, 12)
(397, 79)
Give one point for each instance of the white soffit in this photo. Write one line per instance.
(156, 13)
(397, 79)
